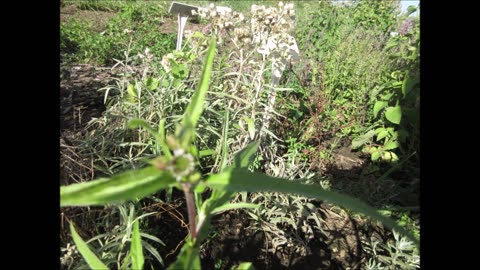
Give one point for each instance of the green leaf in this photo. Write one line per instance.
(224, 153)
(389, 156)
(237, 180)
(136, 248)
(131, 91)
(357, 142)
(382, 134)
(206, 152)
(390, 145)
(230, 206)
(378, 106)
(179, 71)
(153, 84)
(246, 155)
(129, 185)
(152, 251)
(394, 114)
(159, 136)
(161, 140)
(93, 261)
(251, 127)
(195, 108)
(375, 155)
(217, 198)
(408, 84)
(245, 266)
(410, 9)
(189, 258)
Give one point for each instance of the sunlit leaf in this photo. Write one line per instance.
(394, 114)
(131, 91)
(391, 145)
(195, 107)
(231, 206)
(245, 266)
(246, 155)
(93, 261)
(136, 248)
(378, 106)
(129, 185)
(375, 155)
(159, 136)
(243, 180)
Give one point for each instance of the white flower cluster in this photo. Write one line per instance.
(183, 164)
(268, 29)
(221, 17)
(272, 20)
(166, 62)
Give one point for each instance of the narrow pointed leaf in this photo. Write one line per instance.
(93, 261)
(161, 140)
(129, 185)
(136, 248)
(134, 123)
(231, 206)
(245, 156)
(195, 108)
(153, 251)
(224, 154)
(242, 180)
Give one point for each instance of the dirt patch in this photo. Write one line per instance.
(99, 19)
(170, 25)
(80, 101)
(169, 224)
(338, 245)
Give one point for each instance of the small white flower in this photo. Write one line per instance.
(182, 164)
(223, 10)
(247, 41)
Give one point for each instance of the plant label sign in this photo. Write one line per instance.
(183, 11)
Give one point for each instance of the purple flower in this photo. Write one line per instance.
(406, 26)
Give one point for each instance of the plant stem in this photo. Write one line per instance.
(192, 212)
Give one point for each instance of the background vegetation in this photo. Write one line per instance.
(346, 118)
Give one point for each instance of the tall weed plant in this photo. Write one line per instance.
(232, 106)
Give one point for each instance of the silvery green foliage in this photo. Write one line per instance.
(400, 252)
(263, 37)
(289, 221)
